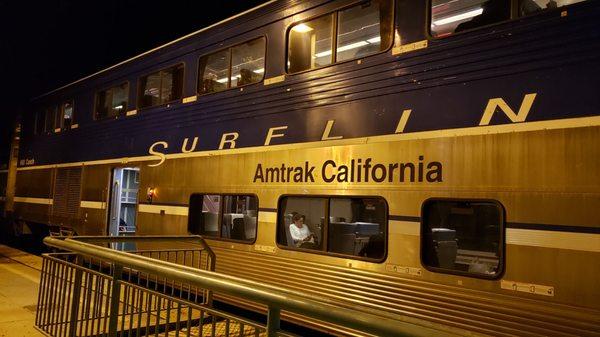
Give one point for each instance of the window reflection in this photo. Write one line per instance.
(215, 76)
(233, 67)
(463, 236)
(309, 44)
(161, 87)
(452, 16)
(355, 226)
(111, 102)
(361, 30)
(233, 217)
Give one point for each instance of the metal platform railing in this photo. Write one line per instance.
(92, 289)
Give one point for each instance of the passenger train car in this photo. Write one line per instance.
(439, 160)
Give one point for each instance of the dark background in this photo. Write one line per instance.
(48, 43)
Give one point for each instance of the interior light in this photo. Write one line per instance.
(323, 53)
(376, 39)
(458, 17)
(259, 71)
(118, 107)
(353, 46)
(302, 28)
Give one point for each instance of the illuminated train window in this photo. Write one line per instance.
(230, 217)
(463, 237)
(66, 114)
(454, 16)
(236, 66)
(111, 102)
(348, 226)
(361, 30)
(161, 87)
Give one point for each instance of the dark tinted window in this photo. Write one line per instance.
(111, 102)
(40, 119)
(215, 72)
(239, 65)
(161, 87)
(239, 217)
(465, 237)
(355, 226)
(50, 115)
(310, 44)
(233, 217)
(361, 30)
(453, 16)
(527, 7)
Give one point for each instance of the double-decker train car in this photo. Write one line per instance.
(439, 160)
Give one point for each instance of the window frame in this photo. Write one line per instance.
(326, 227)
(502, 248)
(140, 90)
(229, 69)
(220, 217)
(94, 111)
(334, 37)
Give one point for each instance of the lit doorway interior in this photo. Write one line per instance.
(125, 185)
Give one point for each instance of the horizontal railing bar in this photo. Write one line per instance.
(373, 322)
(195, 238)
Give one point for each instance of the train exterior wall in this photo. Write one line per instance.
(508, 113)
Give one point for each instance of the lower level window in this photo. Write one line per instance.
(351, 226)
(463, 237)
(231, 217)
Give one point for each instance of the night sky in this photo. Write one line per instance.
(46, 44)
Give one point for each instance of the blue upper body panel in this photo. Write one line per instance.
(447, 85)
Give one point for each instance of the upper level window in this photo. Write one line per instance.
(161, 87)
(111, 102)
(40, 118)
(50, 115)
(527, 7)
(232, 67)
(350, 226)
(66, 114)
(232, 217)
(361, 30)
(453, 16)
(463, 236)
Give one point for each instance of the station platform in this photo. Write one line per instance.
(19, 282)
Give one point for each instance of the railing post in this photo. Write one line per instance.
(115, 296)
(76, 297)
(273, 321)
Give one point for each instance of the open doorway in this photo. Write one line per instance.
(125, 183)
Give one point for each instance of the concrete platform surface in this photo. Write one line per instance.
(19, 281)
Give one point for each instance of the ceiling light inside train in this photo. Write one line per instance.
(354, 45)
(302, 28)
(458, 17)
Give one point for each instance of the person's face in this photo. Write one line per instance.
(299, 222)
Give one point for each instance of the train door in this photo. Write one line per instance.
(125, 183)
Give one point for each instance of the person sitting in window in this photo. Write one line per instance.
(300, 232)
(493, 11)
(527, 7)
(246, 77)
